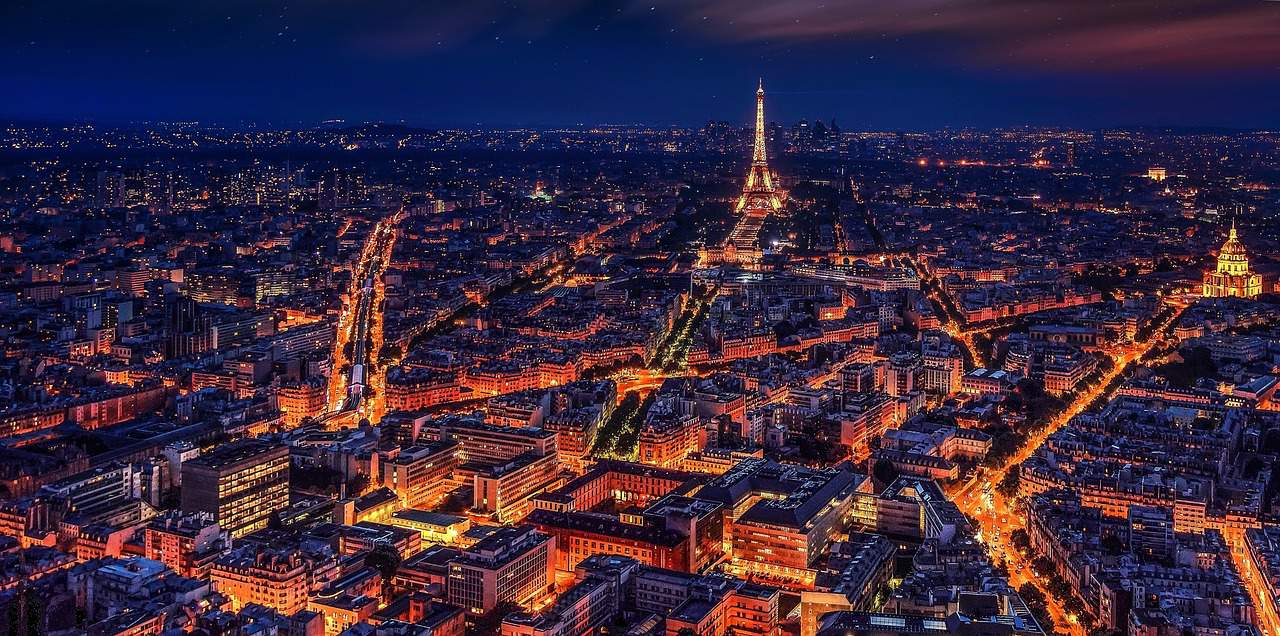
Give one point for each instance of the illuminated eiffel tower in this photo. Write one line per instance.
(759, 196)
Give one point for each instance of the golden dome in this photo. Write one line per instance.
(1233, 246)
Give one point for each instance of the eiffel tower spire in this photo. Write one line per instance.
(758, 156)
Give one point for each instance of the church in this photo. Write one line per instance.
(1232, 277)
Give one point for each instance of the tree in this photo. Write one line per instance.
(386, 560)
(1032, 595)
(1196, 363)
(1038, 604)
(389, 352)
(357, 485)
(1253, 467)
(1059, 587)
(1020, 539)
(1113, 545)
(1042, 565)
(884, 471)
(1074, 605)
(784, 329)
(1008, 486)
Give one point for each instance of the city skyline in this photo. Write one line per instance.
(796, 374)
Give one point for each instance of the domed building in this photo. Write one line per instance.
(1232, 277)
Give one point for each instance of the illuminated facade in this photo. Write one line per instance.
(506, 490)
(420, 474)
(186, 543)
(1232, 277)
(669, 435)
(301, 400)
(240, 484)
(513, 565)
(783, 517)
(271, 578)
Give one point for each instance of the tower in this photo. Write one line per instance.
(759, 196)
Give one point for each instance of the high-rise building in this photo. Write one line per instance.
(1233, 276)
(241, 484)
(133, 281)
(1151, 531)
(110, 189)
(943, 366)
(419, 475)
(187, 329)
(217, 285)
(903, 373)
(512, 565)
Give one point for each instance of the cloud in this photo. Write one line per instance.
(1066, 34)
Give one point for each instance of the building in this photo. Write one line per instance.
(581, 535)
(506, 490)
(366, 536)
(959, 624)
(271, 578)
(594, 599)
(856, 573)
(241, 484)
(904, 374)
(913, 507)
(486, 444)
(188, 329)
(1263, 546)
(187, 543)
(419, 474)
(943, 367)
(301, 400)
(781, 518)
(512, 565)
(413, 389)
(436, 527)
(670, 432)
(98, 495)
(1151, 532)
(1232, 276)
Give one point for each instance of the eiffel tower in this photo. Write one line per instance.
(759, 196)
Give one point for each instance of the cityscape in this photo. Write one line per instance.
(759, 375)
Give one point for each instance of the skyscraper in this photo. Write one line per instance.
(240, 484)
(187, 329)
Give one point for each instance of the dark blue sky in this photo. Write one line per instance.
(871, 64)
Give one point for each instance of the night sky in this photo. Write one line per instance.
(870, 64)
